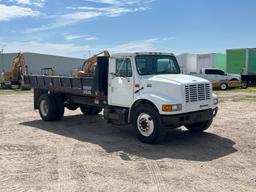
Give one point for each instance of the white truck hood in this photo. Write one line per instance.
(178, 79)
(171, 88)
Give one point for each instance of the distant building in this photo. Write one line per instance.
(63, 65)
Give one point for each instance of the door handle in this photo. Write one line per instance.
(139, 90)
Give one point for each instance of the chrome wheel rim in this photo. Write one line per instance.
(44, 107)
(145, 124)
(244, 85)
(223, 86)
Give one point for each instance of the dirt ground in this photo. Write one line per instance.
(86, 154)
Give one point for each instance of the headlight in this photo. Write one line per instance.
(169, 108)
(215, 101)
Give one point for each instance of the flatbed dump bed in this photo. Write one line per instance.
(75, 90)
(70, 85)
(90, 90)
(94, 85)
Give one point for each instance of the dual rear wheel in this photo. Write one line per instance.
(52, 108)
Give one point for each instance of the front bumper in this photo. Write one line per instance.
(174, 121)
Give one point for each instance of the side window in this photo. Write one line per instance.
(123, 67)
(209, 72)
(165, 66)
(145, 65)
(221, 72)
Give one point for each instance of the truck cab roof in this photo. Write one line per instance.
(139, 53)
(211, 69)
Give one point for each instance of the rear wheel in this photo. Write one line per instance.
(47, 107)
(223, 86)
(199, 127)
(147, 124)
(7, 86)
(89, 110)
(60, 106)
(244, 85)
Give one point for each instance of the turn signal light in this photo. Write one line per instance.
(166, 108)
(169, 108)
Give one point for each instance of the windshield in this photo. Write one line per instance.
(157, 64)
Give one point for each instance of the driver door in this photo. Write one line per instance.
(121, 81)
(210, 74)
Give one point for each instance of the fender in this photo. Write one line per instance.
(156, 100)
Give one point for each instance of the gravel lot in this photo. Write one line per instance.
(87, 154)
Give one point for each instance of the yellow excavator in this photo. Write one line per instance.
(15, 77)
(89, 65)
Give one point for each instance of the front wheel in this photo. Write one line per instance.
(199, 127)
(223, 86)
(147, 124)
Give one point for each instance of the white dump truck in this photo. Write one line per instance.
(142, 89)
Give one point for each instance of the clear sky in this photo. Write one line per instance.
(73, 27)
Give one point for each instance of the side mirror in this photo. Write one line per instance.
(113, 74)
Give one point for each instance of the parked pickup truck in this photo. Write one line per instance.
(219, 78)
(142, 89)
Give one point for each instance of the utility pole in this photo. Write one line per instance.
(90, 53)
(2, 57)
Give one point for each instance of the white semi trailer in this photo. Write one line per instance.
(142, 89)
(193, 63)
(187, 63)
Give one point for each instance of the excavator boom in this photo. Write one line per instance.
(19, 69)
(88, 64)
(19, 66)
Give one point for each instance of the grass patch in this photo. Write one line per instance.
(248, 90)
(13, 92)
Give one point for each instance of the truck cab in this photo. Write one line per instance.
(152, 82)
(144, 89)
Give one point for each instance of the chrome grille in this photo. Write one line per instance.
(198, 92)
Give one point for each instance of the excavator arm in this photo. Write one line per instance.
(15, 77)
(88, 64)
(19, 62)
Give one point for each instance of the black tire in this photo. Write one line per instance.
(157, 133)
(89, 110)
(7, 86)
(60, 106)
(199, 127)
(72, 106)
(223, 86)
(49, 114)
(244, 85)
